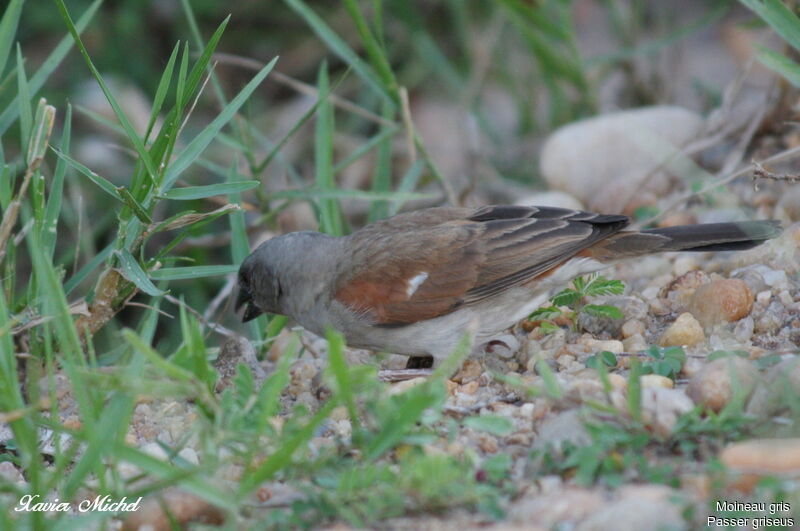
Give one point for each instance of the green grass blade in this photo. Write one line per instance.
(134, 205)
(25, 110)
(130, 132)
(8, 28)
(191, 272)
(780, 18)
(199, 143)
(104, 184)
(240, 245)
(161, 91)
(408, 182)
(338, 193)
(132, 271)
(340, 48)
(330, 217)
(282, 457)
(382, 179)
(86, 270)
(201, 192)
(10, 114)
(781, 64)
(53, 208)
(376, 52)
(199, 486)
(341, 373)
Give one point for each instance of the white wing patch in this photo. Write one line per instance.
(415, 282)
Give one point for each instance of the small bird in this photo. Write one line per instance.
(415, 283)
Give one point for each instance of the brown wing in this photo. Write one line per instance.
(453, 257)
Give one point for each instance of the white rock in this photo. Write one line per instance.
(552, 198)
(623, 148)
(189, 455)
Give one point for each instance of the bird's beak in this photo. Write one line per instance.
(251, 311)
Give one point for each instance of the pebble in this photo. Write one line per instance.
(405, 385)
(566, 427)
(552, 198)
(172, 507)
(661, 408)
(656, 380)
(631, 308)
(632, 327)
(771, 319)
(189, 455)
(713, 387)
(683, 264)
(779, 385)
(721, 301)
(763, 297)
(634, 514)
(635, 343)
(556, 507)
(685, 331)
(752, 277)
(597, 345)
(10, 474)
(743, 330)
(470, 370)
(763, 456)
(621, 145)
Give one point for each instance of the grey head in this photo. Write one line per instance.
(275, 277)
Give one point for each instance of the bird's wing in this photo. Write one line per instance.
(463, 257)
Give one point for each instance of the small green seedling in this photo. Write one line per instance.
(582, 287)
(664, 361)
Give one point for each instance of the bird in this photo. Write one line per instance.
(414, 284)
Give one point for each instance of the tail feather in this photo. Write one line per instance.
(734, 236)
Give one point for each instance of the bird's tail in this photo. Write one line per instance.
(733, 236)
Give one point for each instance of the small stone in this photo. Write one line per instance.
(779, 457)
(635, 343)
(763, 297)
(596, 345)
(616, 142)
(685, 331)
(680, 290)
(470, 370)
(551, 198)
(717, 383)
(785, 297)
(721, 301)
(634, 514)
(174, 507)
(752, 277)
(683, 264)
(631, 308)
(617, 381)
(743, 330)
(661, 408)
(566, 427)
(676, 218)
(555, 507)
(189, 455)
(469, 388)
(154, 449)
(405, 385)
(777, 388)
(632, 327)
(771, 320)
(9, 473)
(656, 380)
